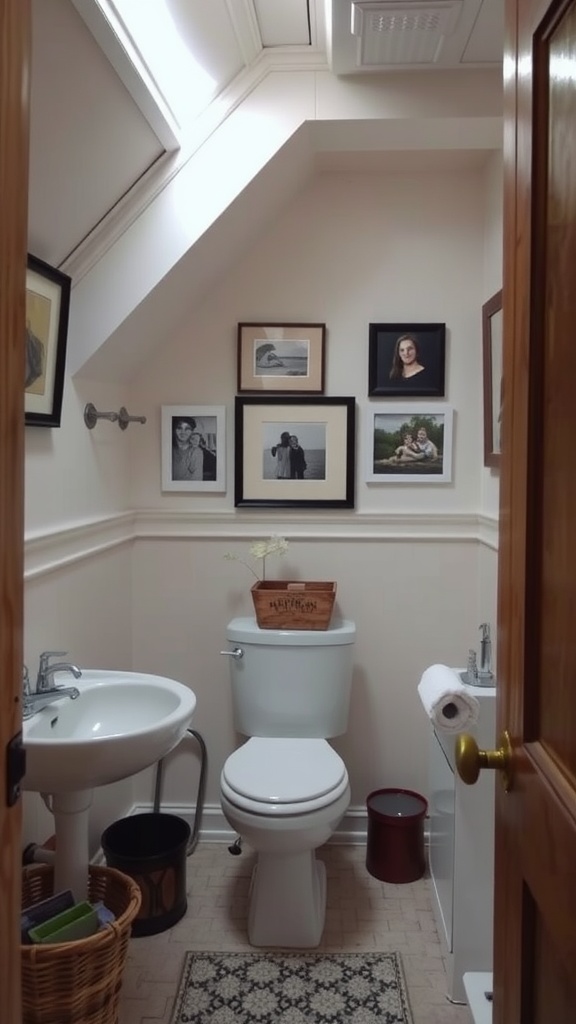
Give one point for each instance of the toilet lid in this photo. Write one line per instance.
(284, 771)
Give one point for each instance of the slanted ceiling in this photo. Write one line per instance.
(117, 100)
(91, 134)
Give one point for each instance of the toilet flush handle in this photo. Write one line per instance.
(236, 653)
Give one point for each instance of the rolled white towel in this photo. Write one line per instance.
(446, 699)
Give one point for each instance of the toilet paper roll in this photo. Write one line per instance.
(446, 699)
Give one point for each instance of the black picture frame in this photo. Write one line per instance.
(46, 334)
(326, 430)
(429, 341)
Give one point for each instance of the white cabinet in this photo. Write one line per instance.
(462, 850)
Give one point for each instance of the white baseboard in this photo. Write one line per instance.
(214, 828)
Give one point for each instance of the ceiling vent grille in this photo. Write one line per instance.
(396, 32)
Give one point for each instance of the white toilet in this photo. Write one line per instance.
(286, 789)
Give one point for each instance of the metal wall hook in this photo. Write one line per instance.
(122, 418)
(91, 416)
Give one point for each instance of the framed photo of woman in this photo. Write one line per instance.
(406, 360)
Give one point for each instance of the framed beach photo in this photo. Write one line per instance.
(281, 358)
(294, 452)
(492, 339)
(409, 444)
(193, 447)
(406, 360)
(47, 309)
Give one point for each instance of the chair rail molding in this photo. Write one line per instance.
(56, 549)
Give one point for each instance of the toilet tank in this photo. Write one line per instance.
(291, 682)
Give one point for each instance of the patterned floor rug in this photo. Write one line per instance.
(292, 988)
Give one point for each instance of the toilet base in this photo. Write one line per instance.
(287, 900)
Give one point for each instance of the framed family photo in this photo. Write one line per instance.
(294, 452)
(47, 310)
(492, 338)
(409, 444)
(406, 360)
(280, 358)
(193, 447)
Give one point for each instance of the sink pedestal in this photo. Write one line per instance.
(71, 815)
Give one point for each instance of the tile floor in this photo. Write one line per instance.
(362, 914)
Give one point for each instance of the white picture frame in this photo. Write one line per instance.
(389, 460)
(181, 464)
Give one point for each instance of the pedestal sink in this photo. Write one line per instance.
(121, 723)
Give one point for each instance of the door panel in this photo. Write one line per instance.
(14, 70)
(535, 930)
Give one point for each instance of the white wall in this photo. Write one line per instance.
(350, 249)
(414, 566)
(492, 279)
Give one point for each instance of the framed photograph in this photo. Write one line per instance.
(280, 358)
(406, 360)
(47, 309)
(193, 448)
(492, 336)
(294, 452)
(409, 444)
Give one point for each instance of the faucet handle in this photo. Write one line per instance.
(46, 655)
(484, 628)
(44, 665)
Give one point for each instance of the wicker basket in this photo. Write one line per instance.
(289, 604)
(78, 982)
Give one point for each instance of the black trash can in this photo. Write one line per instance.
(151, 849)
(395, 848)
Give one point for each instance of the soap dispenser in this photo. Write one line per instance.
(485, 674)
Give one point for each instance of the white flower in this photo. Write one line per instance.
(275, 545)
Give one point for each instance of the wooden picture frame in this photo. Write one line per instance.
(392, 458)
(272, 472)
(189, 431)
(281, 358)
(389, 346)
(47, 312)
(492, 338)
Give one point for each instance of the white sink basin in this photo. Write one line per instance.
(121, 723)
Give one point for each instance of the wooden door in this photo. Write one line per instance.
(14, 70)
(535, 920)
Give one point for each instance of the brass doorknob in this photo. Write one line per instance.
(470, 760)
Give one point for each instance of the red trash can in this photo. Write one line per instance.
(395, 848)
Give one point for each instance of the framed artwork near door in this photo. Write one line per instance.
(492, 336)
(294, 452)
(47, 309)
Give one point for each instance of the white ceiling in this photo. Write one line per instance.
(154, 71)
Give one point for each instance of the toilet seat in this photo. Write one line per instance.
(282, 776)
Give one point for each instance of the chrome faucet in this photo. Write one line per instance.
(46, 670)
(45, 692)
(33, 702)
(485, 670)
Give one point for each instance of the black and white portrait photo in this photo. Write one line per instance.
(193, 447)
(294, 451)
